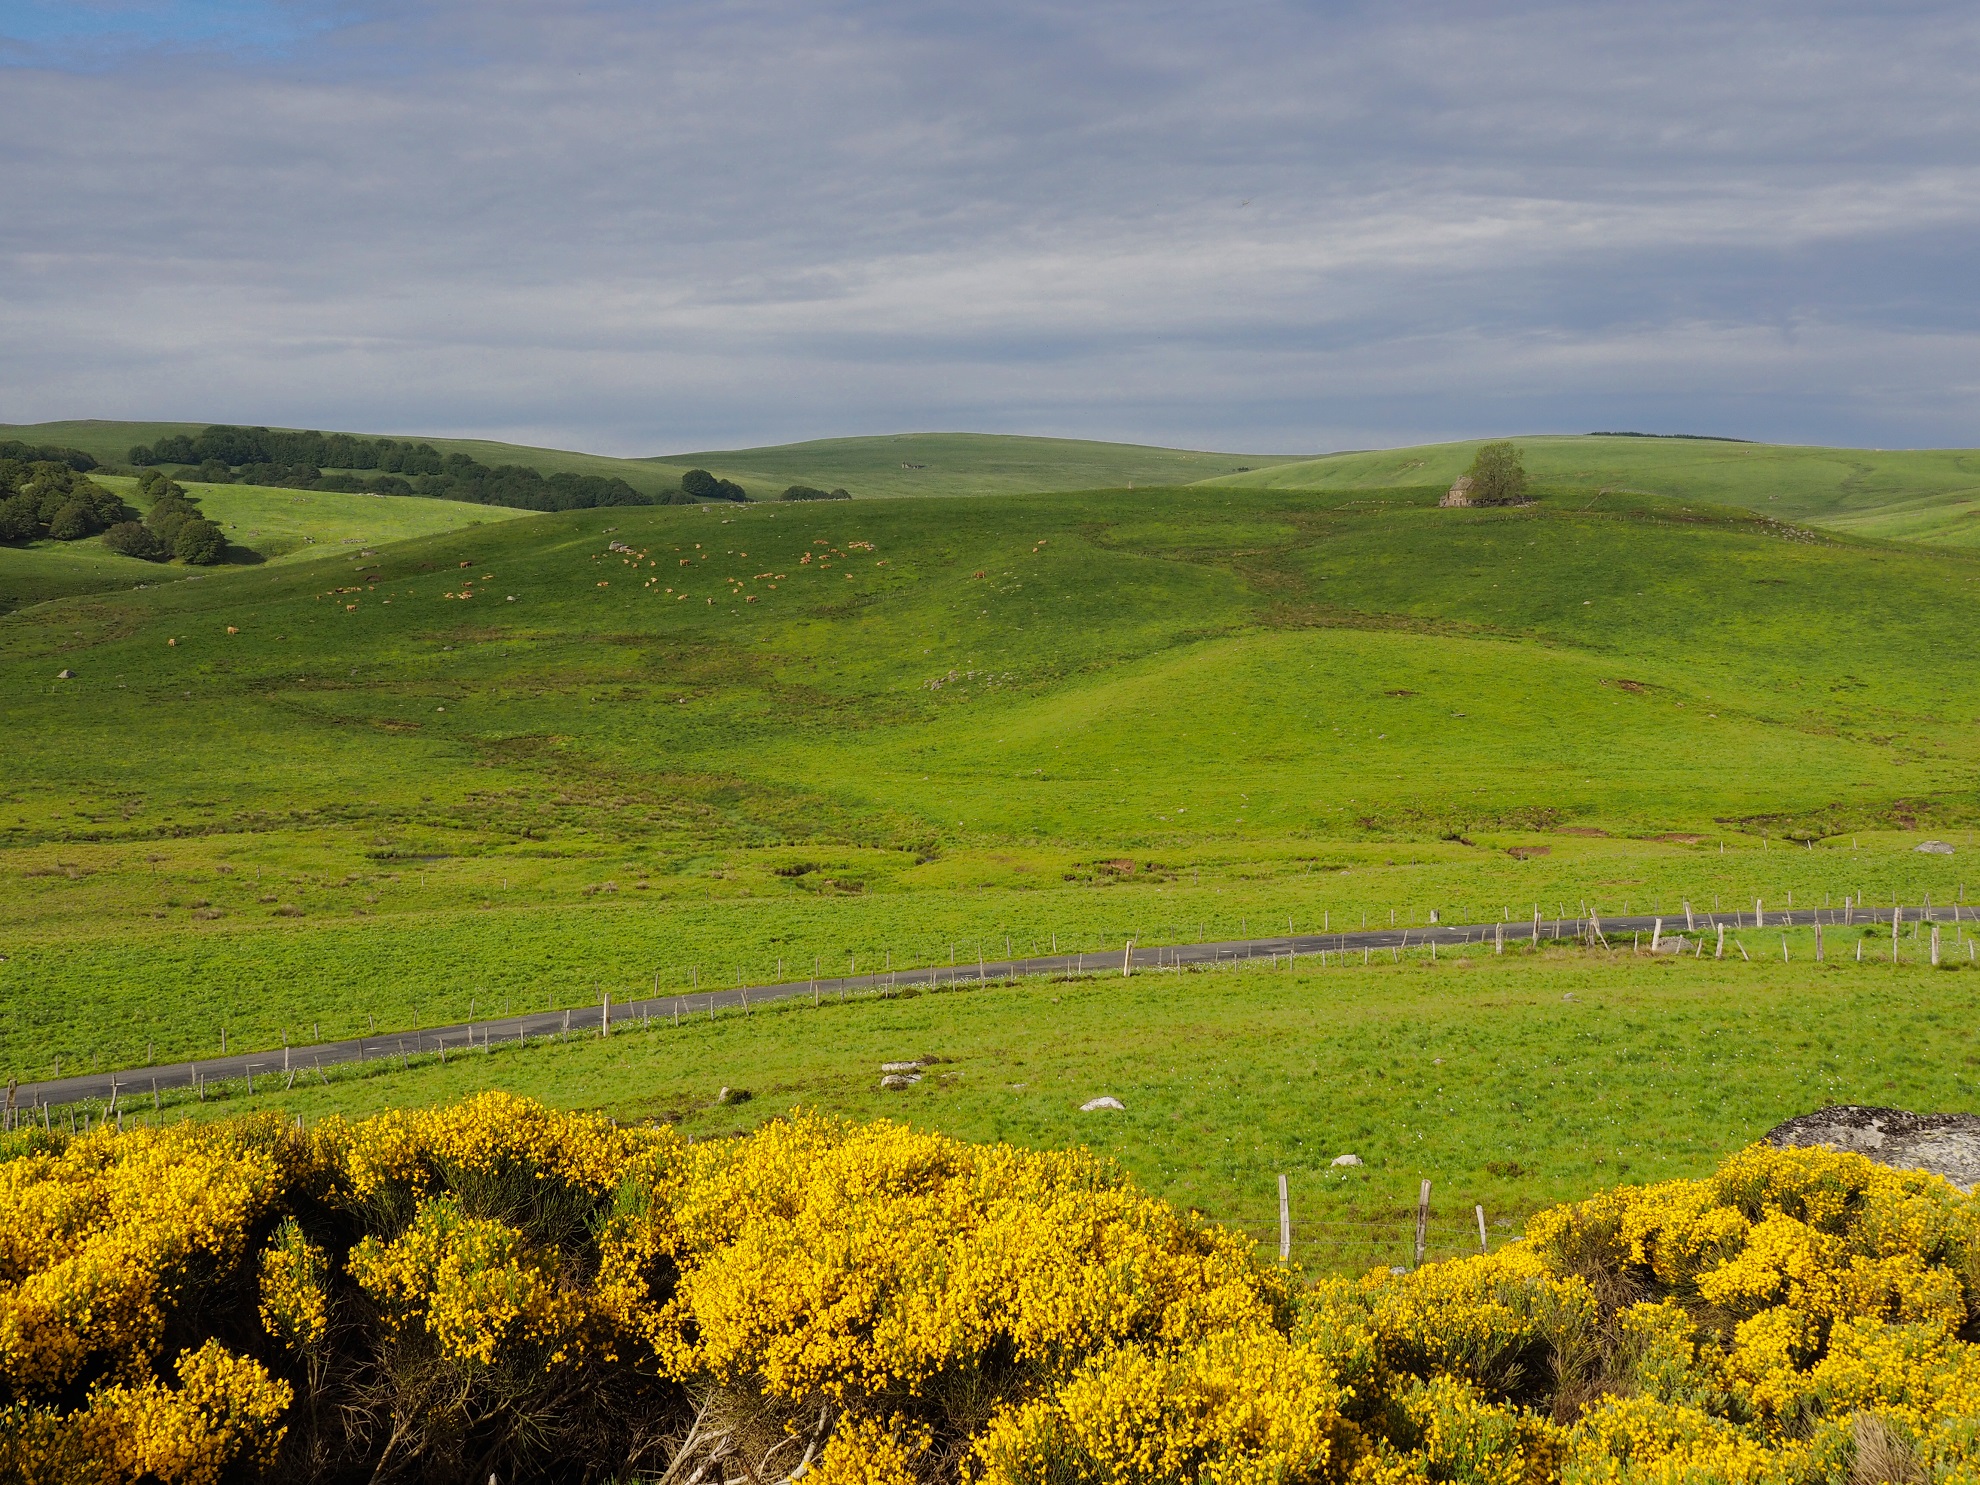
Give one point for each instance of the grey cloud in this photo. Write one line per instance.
(637, 227)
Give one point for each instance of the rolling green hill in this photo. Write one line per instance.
(530, 757)
(961, 464)
(264, 525)
(942, 463)
(1929, 495)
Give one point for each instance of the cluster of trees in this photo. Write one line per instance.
(173, 527)
(42, 453)
(811, 492)
(234, 448)
(46, 497)
(297, 461)
(699, 484)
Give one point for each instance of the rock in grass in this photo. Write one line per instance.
(1945, 1144)
(732, 1095)
(1094, 1105)
(1347, 1160)
(65, 675)
(1935, 848)
(895, 1082)
(901, 1067)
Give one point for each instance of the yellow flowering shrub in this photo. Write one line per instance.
(1234, 1409)
(499, 1287)
(475, 1286)
(823, 1257)
(295, 1298)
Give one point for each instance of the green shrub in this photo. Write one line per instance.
(199, 543)
(135, 539)
(73, 522)
(704, 486)
(19, 519)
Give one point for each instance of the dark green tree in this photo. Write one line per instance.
(1497, 475)
(704, 486)
(135, 539)
(199, 543)
(20, 520)
(73, 522)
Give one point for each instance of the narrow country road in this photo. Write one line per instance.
(290, 1063)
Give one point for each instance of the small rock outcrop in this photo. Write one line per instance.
(1934, 848)
(1094, 1105)
(1347, 1160)
(732, 1096)
(894, 1082)
(65, 675)
(1945, 1144)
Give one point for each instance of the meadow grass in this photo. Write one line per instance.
(1511, 1082)
(1901, 494)
(875, 467)
(1172, 714)
(263, 525)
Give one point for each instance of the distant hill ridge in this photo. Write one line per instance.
(1929, 495)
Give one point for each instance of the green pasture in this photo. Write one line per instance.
(291, 525)
(961, 464)
(515, 761)
(1902, 494)
(1509, 1082)
(67, 569)
(886, 465)
(263, 525)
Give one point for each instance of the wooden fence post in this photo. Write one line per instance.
(1935, 946)
(1480, 1210)
(1422, 1220)
(1285, 1223)
(1720, 953)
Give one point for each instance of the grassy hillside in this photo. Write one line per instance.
(1511, 1083)
(960, 464)
(945, 463)
(1905, 494)
(520, 763)
(266, 525)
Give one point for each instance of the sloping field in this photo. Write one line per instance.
(527, 759)
(263, 525)
(887, 465)
(1904, 494)
(961, 464)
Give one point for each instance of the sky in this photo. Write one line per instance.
(1256, 226)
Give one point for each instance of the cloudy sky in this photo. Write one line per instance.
(1258, 225)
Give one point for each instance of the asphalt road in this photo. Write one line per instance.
(302, 1063)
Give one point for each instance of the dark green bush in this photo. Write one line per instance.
(19, 519)
(704, 486)
(73, 521)
(199, 543)
(135, 539)
(811, 492)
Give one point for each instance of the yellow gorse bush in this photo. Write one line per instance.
(496, 1286)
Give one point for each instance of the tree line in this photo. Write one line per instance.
(309, 460)
(305, 459)
(47, 498)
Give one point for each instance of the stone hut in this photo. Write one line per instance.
(1459, 493)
